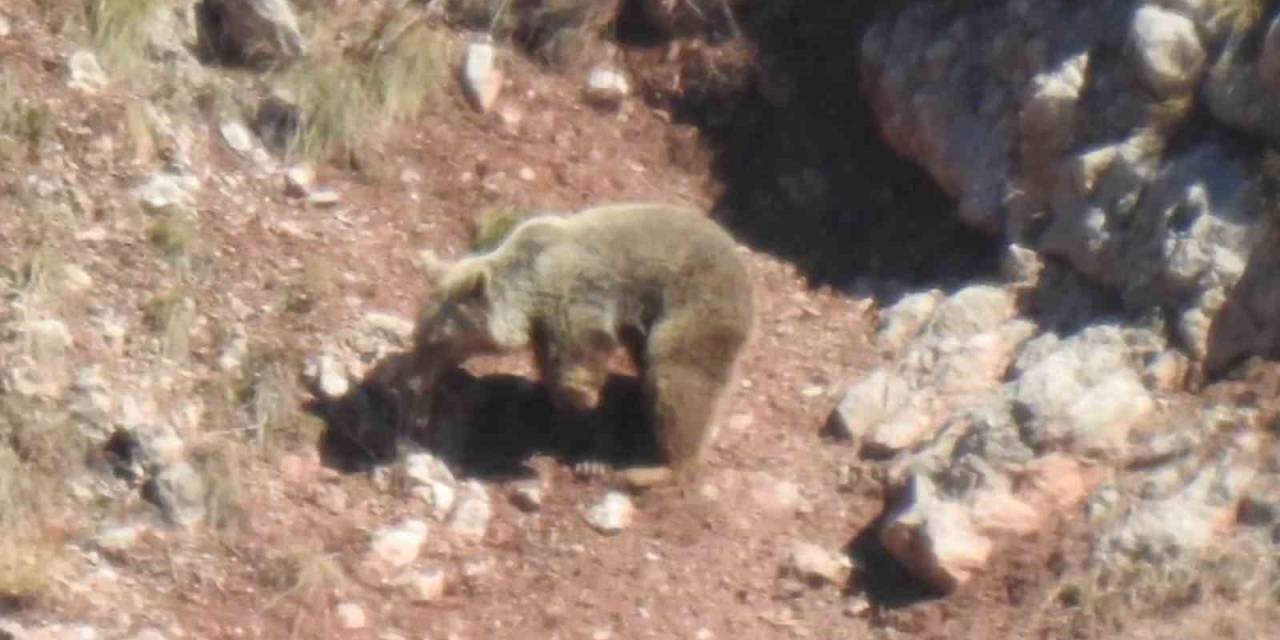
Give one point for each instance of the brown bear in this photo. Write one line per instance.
(662, 281)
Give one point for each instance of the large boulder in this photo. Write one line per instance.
(1021, 112)
(249, 32)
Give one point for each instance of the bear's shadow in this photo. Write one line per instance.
(486, 426)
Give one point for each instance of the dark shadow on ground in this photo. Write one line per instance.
(806, 175)
(487, 427)
(887, 583)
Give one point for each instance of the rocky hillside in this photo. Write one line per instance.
(1010, 379)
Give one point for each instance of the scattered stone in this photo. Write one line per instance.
(857, 605)
(471, 517)
(425, 586)
(936, 539)
(324, 374)
(350, 616)
(398, 545)
(481, 79)
(323, 197)
(234, 349)
(612, 514)
(816, 566)
(166, 193)
(1168, 49)
(867, 403)
(237, 136)
(526, 495)
(298, 180)
(606, 87)
(117, 538)
(76, 279)
(527, 174)
(429, 478)
(179, 492)
(85, 72)
(6, 27)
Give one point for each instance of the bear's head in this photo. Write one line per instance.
(453, 322)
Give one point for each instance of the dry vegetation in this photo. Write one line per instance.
(369, 71)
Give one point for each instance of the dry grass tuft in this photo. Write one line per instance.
(36, 447)
(389, 68)
(171, 315)
(24, 125)
(310, 286)
(219, 463)
(117, 29)
(304, 572)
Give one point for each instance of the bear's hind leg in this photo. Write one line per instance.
(688, 366)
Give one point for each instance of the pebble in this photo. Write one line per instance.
(398, 545)
(471, 517)
(612, 514)
(350, 616)
(237, 136)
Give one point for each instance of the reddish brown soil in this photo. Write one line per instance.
(702, 562)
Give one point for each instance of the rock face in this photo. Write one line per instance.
(991, 433)
(249, 31)
(1024, 114)
(956, 351)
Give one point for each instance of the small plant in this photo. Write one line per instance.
(142, 143)
(34, 451)
(218, 465)
(40, 272)
(24, 126)
(26, 567)
(174, 235)
(303, 571)
(312, 284)
(268, 392)
(171, 314)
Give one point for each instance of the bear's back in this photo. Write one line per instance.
(678, 250)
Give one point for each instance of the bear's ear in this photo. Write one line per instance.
(433, 266)
(469, 281)
(476, 285)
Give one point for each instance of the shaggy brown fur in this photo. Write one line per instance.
(664, 282)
